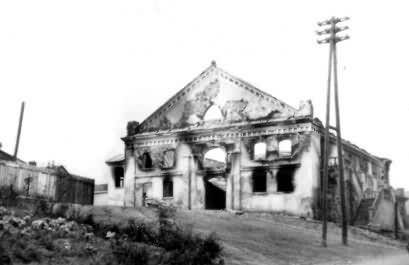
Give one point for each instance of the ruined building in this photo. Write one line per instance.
(272, 154)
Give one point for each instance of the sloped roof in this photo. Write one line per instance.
(116, 159)
(8, 157)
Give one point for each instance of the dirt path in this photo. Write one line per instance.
(267, 239)
(398, 259)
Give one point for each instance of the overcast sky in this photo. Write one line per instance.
(85, 68)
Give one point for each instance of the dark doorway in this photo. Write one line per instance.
(119, 177)
(285, 179)
(214, 180)
(215, 195)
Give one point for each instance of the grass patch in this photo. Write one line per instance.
(83, 240)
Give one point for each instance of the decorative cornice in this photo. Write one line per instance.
(271, 166)
(161, 174)
(210, 135)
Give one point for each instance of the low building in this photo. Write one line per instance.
(271, 154)
(53, 183)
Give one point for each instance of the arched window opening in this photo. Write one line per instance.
(285, 148)
(213, 113)
(147, 160)
(119, 177)
(259, 180)
(260, 150)
(215, 158)
(167, 187)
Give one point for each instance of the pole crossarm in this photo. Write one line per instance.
(330, 30)
(333, 39)
(332, 20)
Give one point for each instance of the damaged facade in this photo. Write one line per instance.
(272, 154)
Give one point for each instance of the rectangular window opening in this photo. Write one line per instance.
(285, 179)
(167, 187)
(259, 180)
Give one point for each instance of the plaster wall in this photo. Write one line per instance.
(102, 199)
(129, 180)
(186, 167)
(306, 181)
(114, 196)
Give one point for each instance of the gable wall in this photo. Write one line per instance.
(237, 101)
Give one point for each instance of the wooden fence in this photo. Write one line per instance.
(55, 184)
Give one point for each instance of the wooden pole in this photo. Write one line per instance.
(340, 153)
(19, 130)
(396, 219)
(189, 199)
(326, 154)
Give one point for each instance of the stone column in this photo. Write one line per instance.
(233, 187)
(195, 160)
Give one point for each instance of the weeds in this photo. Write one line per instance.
(170, 243)
(164, 242)
(8, 196)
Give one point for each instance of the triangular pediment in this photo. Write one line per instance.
(236, 99)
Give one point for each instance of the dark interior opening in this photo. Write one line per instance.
(215, 197)
(167, 187)
(259, 180)
(285, 179)
(119, 177)
(147, 160)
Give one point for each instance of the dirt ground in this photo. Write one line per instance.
(271, 239)
(258, 239)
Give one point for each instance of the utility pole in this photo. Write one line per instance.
(332, 40)
(396, 219)
(189, 195)
(19, 130)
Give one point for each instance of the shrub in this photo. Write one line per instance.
(130, 253)
(27, 254)
(185, 247)
(45, 239)
(163, 244)
(8, 196)
(41, 207)
(4, 256)
(139, 232)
